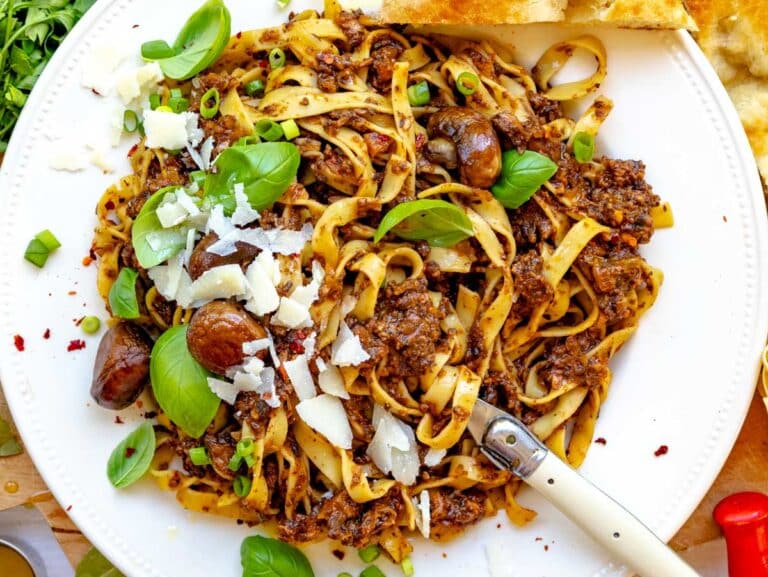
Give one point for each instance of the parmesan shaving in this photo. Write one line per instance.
(326, 415)
(244, 213)
(347, 350)
(301, 379)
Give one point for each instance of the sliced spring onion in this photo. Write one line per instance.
(164, 108)
(209, 103)
(176, 93)
(178, 105)
(248, 140)
(48, 239)
(154, 101)
(418, 94)
(268, 129)
(130, 121)
(41, 247)
(250, 461)
(290, 129)
(467, 83)
(407, 567)
(90, 325)
(156, 50)
(244, 447)
(369, 554)
(283, 3)
(276, 58)
(372, 571)
(235, 462)
(199, 456)
(254, 87)
(583, 147)
(241, 486)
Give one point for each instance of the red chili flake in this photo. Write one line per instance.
(135, 26)
(239, 35)
(109, 205)
(68, 509)
(498, 525)
(262, 63)
(47, 334)
(546, 547)
(75, 345)
(725, 218)
(87, 261)
(129, 451)
(96, 92)
(296, 347)
(601, 441)
(539, 539)
(18, 342)
(133, 150)
(662, 450)
(301, 335)
(140, 403)
(118, 420)
(72, 293)
(79, 321)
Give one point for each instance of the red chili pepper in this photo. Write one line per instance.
(75, 345)
(601, 441)
(18, 342)
(47, 334)
(662, 450)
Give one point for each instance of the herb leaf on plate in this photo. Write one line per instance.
(153, 243)
(521, 176)
(94, 564)
(438, 222)
(122, 296)
(132, 456)
(265, 557)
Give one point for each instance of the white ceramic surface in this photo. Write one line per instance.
(685, 379)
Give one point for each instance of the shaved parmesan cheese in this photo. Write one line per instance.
(134, 85)
(266, 260)
(309, 345)
(301, 378)
(348, 304)
(331, 381)
(308, 294)
(99, 68)
(99, 159)
(326, 415)
(252, 347)
(267, 389)
(219, 223)
(167, 278)
(244, 213)
(195, 134)
(165, 129)
(347, 350)
(393, 448)
(254, 365)
(190, 248)
(66, 157)
(202, 157)
(184, 294)
(423, 513)
(263, 297)
(434, 456)
(225, 390)
(171, 214)
(292, 314)
(221, 282)
(186, 202)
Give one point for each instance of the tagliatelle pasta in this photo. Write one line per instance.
(396, 339)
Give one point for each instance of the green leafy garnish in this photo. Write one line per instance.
(583, 147)
(41, 247)
(132, 456)
(438, 222)
(153, 243)
(180, 383)
(122, 295)
(265, 557)
(198, 45)
(30, 32)
(521, 176)
(266, 170)
(94, 564)
(9, 446)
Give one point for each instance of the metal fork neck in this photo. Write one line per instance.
(509, 445)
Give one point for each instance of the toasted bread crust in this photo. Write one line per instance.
(472, 11)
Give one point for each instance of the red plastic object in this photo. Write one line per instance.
(743, 517)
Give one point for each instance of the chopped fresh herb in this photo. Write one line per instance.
(369, 554)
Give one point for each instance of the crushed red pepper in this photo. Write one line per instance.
(18, 342)
(118, 420)
(129, 451)
(47, 334)
(662, 450)
(601, 441)
(75, 345)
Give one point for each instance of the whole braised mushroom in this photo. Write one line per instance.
(477, 147)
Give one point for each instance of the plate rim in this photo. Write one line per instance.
(729, 422)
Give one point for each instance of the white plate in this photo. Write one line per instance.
(685, 380)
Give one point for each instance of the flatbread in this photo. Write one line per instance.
(734, 36)
(472, 11)
(631, 13)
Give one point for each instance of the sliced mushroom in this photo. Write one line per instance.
(201, 260)
(477, 146)
(443, 152)
(122, 366)
(217, 332)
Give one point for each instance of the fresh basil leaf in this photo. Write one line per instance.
(200, 42)
(9, 446)
(438, 222)
(180, 383)
(583, 147)
(265, 557)
(94, 564)
(122, 295)
(266, 170)
(132, 456)
(521, 176)
(153, 243)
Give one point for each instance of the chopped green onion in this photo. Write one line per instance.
(369, 554)
(130, 121)
(268, 129)
(90, 325)
(208, 110)
(418, 94)
(276, 58)
(41, 247)
(242, 486)
(250, 461)
(48, 239)
(244, 447)
(407, 567)
(141, 131)
(467, 83)
(178, 105)
(254, 87)
(164, 109)
(372, 571)
(154, 101)
(583, 147)
(176, 93)
(247, 140)
(290, 129)
(156, 50)
(283, 4)
(199, 456)
(235, 462)
(197, 177)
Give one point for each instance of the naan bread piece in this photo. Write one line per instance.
(734, 36)
(472, 11)
(630, 13)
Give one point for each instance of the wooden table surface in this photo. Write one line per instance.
(745, 470)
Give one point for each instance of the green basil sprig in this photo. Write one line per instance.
(265, 170)
(153, 243)
(521, 176)
(94, 564)
(438, 222)
(583, 147)
(265, 557)
(198, 45)
(122, 295)
(180, 383)
(132, 456)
